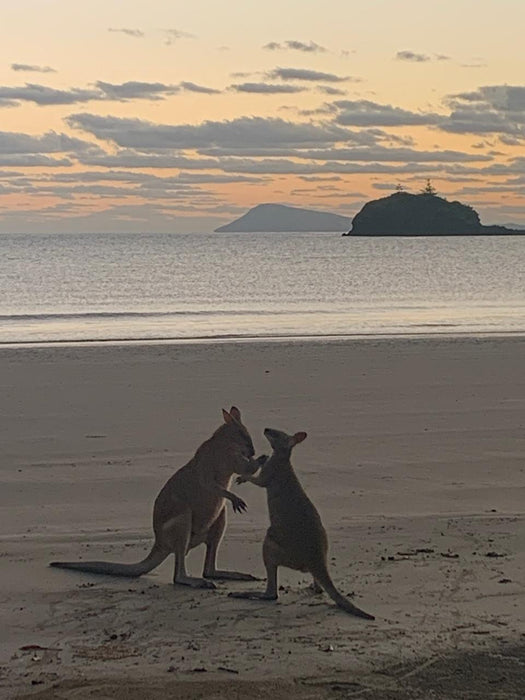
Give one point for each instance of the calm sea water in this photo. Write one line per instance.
(79, 287)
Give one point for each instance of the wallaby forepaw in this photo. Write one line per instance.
(239, 506)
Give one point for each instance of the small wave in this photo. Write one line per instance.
(148, 314)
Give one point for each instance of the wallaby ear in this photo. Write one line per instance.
(227, 417)
(299, 437)
(234, 411)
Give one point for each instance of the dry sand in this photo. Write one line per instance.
(415, 458)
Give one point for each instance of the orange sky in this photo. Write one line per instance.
(176, 116)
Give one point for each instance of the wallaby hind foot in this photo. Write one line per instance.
(220, 575)
(194, 582)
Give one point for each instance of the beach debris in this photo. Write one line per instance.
(37, 647)
(505, 580)
(199, 669)
(327, 648)
(494, 555)
(226, 669)
(449, 555)
(171, 669)
(96, 437)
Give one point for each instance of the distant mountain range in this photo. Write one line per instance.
(399, 214)
(279, 218)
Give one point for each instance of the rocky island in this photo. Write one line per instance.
(399, 214)
(279, 218)
(423, 214)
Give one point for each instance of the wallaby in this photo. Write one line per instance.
(190, 508)
(296, 537)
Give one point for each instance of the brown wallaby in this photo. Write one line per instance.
(296, 537)
(190, 508)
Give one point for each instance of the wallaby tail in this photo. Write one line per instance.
(154, 558)
(323, 578)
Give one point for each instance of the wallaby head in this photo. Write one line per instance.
(282, 442)
(237, 432)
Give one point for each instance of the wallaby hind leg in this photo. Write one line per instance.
(213, 541)
(178, 532)
(316, 587)
(270, 550)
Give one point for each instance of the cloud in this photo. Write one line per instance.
(307, 75)
(283, 166)
(412, 57)
(266, 88)
(129, 158)
(317, 178)
(135, 33)
(473, 65)
(504, 98)
(192, 87)
(510, 140)
(19, 160)
(498, 109)
(479, 121)
(367, 113)
(135, 90)
(102, 91)
(329, 90)
(43, 96)
(50, 142)
(381, 153)
(252, 132)
(173, 35)
(31, 69)
(310, 47)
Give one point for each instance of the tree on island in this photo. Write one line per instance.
(429, 189)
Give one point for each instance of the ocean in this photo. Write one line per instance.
(62, 288)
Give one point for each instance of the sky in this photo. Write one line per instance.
(127, 115)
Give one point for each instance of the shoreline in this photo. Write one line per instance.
(414, 459)
(284, 339)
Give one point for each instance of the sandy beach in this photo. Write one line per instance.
(415, 458)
